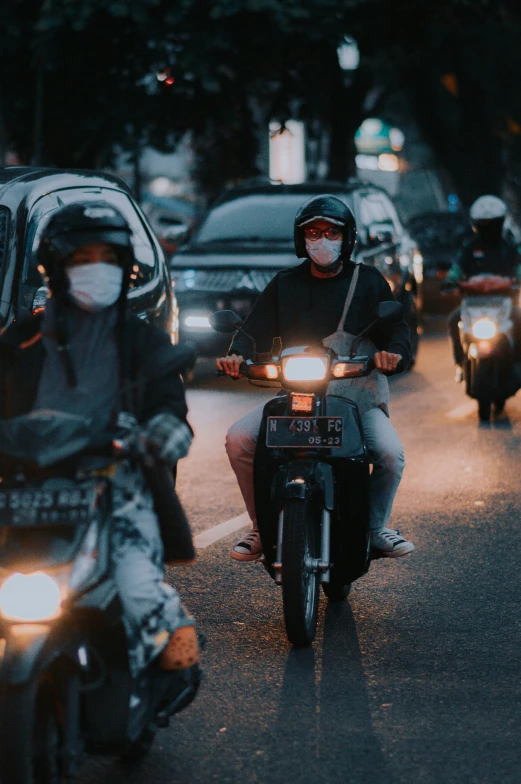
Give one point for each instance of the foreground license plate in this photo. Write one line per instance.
(46, 507)
(302, 432)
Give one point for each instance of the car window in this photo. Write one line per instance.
(146, 263)
(254, 218)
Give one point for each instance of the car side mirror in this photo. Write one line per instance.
(389, 311)
(225, 321)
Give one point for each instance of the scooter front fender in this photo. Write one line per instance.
(304, 478)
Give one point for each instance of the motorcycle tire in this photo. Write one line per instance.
(300, 587)
(484, 409)
(336, 592)
(139, 748)
(30, 735)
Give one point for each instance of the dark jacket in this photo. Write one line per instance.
(477, 258)
(302, 310)
(150, 366)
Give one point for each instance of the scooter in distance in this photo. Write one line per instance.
(490, 372)
(311, 474)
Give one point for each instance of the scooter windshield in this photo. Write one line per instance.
(44, 438)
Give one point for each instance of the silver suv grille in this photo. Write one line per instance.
(223, 280)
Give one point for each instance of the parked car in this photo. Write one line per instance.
(28, 198)
(247, 236)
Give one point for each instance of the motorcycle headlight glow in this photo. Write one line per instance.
(30, 597)
(484, 329)
(305, 368)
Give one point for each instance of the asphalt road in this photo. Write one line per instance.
(417, 678)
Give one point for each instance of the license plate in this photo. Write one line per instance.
(46, 507)
(305, 432)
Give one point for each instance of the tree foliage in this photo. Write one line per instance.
(77, 78)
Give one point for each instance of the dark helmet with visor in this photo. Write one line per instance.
(77, 225)
(330, 208)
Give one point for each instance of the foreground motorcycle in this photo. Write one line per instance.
(486, 333)
(311, 474)
(65, 683)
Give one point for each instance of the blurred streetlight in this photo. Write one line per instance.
(348, 54)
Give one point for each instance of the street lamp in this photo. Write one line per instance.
(348, 54)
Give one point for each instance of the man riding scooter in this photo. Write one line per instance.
(487, 252)
(328, 299)
(87, 355)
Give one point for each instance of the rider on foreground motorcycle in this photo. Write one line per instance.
(87, 355)
(486, 252)
(303, 306)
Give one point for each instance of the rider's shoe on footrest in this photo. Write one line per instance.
(249, 548)
(389, 544)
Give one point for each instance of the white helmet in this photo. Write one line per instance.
(488, 208)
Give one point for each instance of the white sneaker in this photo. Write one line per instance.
(458, 375)
(390, 544)
(249, 548)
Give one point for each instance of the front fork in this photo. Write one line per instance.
(322, 473)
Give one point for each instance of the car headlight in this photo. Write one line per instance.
(197, 321)
(30, 597)
(484, 329)
(304, 368)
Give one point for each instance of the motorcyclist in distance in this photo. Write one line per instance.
(327, 299)
(87, 355)
(487, 251)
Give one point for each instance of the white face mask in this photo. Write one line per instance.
(324, 252)
(94, 287)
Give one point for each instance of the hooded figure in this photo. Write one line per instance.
(88, 355)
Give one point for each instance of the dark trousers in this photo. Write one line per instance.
(457, 348)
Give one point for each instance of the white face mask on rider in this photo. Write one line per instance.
(324, 252)
(94, 287)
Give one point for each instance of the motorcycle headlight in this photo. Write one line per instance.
(304, 368)
(484, 329)
(30, 597)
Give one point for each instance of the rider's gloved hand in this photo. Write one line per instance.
(168, 438)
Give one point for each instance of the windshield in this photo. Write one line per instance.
(256, 219)
(3, 234)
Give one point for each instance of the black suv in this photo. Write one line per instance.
(247, 237)
(28, 198)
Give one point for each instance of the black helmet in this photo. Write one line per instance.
(81, 224)
(329, 208)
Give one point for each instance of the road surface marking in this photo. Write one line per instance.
(220, 531)
(461, 411)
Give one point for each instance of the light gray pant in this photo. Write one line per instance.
(385, 452)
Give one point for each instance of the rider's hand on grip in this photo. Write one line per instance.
(230, 365)
(386, 362)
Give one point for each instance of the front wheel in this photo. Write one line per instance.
(30, 735)
(300, 585)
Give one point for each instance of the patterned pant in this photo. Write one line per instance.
(152, 609)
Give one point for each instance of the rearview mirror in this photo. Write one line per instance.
(225, 321)
(389, 311)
